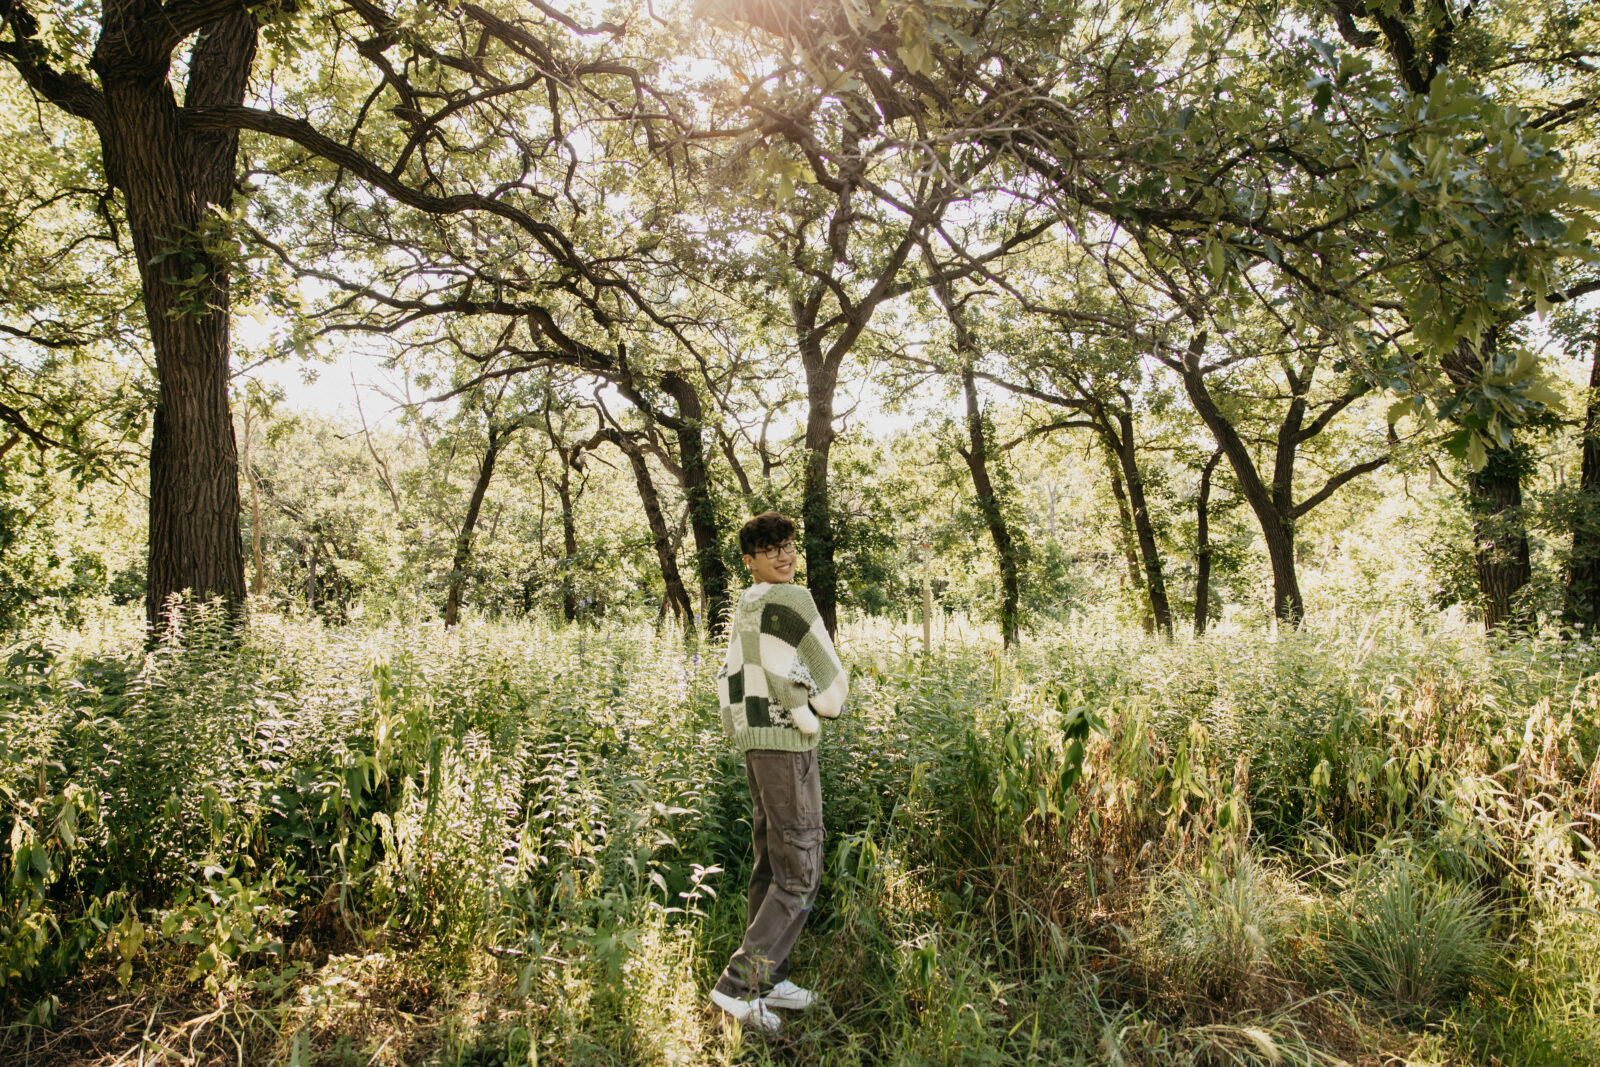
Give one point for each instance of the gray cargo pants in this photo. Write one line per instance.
(786, 825)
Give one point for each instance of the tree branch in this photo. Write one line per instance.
(1049, 427)
(549, 238)
(70, 92)
(1333, 484)
(19, 422)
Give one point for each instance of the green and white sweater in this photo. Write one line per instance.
(781, 671)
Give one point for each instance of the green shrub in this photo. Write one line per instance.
(1409, 941)
(1221, 933)
(532, 836)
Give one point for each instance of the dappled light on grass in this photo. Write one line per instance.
(517, 843)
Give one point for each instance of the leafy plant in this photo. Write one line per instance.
(1221, 933)
(1407, 940)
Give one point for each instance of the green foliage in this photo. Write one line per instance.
(1407, 939)
(1224, 933)
(56, 553)
(1031, 854)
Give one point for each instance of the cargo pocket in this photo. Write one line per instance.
(801, 870)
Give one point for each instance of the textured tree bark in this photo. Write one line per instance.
(1130, 550)
(258, 580)
(1500, 553)
(677, 597)
(816, 509)
(697, 490)
(463, 553)
(1202, 551)
(1494, 500)
(1155, 582)
(569, 543)
(170, 181)
(311, 572)
(1583, 570)
(1277, 531)
(977, 456)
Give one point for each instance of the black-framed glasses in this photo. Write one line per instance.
(776, 552)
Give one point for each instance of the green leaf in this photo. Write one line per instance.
(1543, 392)
(915, 55)
(1216, 260)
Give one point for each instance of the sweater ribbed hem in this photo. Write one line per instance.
(780, 738)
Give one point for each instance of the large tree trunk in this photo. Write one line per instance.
(170, 180)
(697, 491)
(1202, 550)
(677, 597)
(816, 509)
(1155, 582)
(1500, 554)
(1494, 500)
(458, 565)
(977, 456)
(1277, 529)
(1583, 570)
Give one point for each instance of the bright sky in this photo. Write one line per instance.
(328, 386)
(333, 388)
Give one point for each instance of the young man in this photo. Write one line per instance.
(780, 675)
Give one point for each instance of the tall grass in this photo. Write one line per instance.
(523, 842)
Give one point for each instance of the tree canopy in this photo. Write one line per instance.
(691, 242)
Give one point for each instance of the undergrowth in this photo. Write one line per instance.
(517, 843)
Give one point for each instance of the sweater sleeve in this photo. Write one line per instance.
(817, 664)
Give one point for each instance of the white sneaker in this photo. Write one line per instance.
(753, 1013)
(788, 995)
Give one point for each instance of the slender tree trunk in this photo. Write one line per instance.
(977, 456)
(463, 554)
(677, 598)
(739, 474)
(1500, 553)
(816, 514)
(569, 541)
(1155, 582)
(697, 490)
(258, 583)
(311, 572)
(1202, 550)
(1583, 570)
(170, 180)
(1130, 550)
(1277, 530)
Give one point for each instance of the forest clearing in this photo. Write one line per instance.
(799, 532)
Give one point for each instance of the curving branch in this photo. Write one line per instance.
(18, 421)
(307, 136)
(1333, 484)
(70, 92)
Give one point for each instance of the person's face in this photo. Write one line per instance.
(774, 564)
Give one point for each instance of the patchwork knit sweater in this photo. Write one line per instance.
(781, 671)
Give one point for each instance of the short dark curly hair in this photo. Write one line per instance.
(766, 530)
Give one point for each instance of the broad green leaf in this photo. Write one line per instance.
(1477, 455)
(1544, 393)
